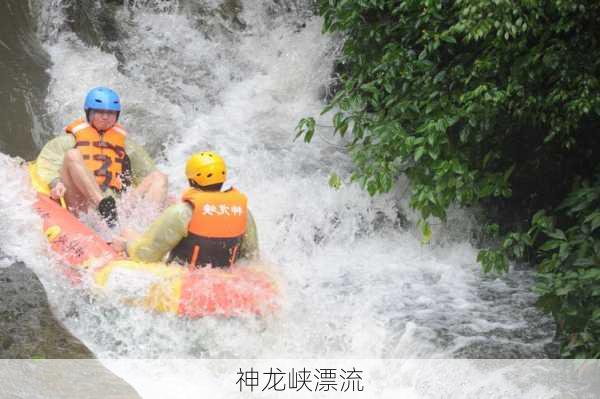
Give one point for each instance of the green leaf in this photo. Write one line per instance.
(550, 245)
(509, 172)
(563, 291)
(558, 234)
(540, 219)
(448, 39)
(595, 220)
(584, 262)
(389, 87)
(419, 153)
(492, 229)
(487, 159)
(564, 251)
(426, 233)
(592, 274)
(306, 127)
(439, 77)
(334, 181)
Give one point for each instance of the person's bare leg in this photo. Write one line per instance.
(153, 188)
(75, 200)
(79, 181)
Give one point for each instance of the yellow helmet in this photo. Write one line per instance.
(206, 168)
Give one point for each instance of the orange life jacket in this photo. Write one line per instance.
(103, 153)
(215, 230)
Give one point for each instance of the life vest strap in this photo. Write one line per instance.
(198, 251)
(79, 127)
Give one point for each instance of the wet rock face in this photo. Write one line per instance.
(215, 20)
(94, 23)
(23, 80)
(27, 326)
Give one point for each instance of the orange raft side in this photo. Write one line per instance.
(72, 240)
(229, 292)
(193, 293)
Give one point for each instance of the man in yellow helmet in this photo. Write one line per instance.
(211, 226)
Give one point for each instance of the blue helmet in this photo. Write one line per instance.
(102, 98)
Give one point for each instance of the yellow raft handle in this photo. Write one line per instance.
(39, 185)
(52, 233)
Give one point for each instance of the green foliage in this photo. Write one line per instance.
(442, 91)
(568, 268)
(478, 101)
(493, 261)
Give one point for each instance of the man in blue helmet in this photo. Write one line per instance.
(96, 160)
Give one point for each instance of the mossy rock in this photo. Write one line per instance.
(29, 330)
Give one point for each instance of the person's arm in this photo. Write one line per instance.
(141, 162)
(162, 235)
(50, 160)
(249, 245)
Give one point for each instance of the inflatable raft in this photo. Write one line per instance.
(188, 292)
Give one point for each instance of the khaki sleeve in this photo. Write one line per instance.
(162, 235)
(249, 245)
(50, 159)
(141, 162)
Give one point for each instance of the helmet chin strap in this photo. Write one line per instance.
(212, 187)
(228, 184)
